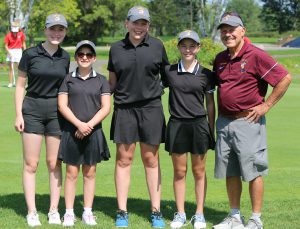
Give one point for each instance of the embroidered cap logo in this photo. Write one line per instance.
(56, 17)
(141, 10)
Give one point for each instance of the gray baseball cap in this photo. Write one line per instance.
(231, 19)
(138, 12)
(86, 43)
(56, 19)
(190, 34)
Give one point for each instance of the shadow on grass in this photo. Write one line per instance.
(107, 206)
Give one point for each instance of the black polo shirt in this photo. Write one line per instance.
(84, 96)
(187, 90)
(138, 69)
(44, 72)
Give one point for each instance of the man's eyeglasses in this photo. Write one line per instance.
(88, 55)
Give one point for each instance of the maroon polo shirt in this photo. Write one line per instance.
(243, 81)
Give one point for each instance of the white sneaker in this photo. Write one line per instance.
(33, 219)
(69, 220)
(178, 221)
(230, 222)
(54, 217)
(199, 221)
(9, 85)
(89, 219)
(254, 224)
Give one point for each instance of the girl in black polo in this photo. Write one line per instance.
(84, 101)
(134, 65)
(188, 129)
(42, 68)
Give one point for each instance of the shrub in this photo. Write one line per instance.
(206, 55)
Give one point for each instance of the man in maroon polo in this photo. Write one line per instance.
(243, 73)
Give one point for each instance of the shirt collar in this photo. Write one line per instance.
(182, 69)
(76, 73)
(241, 52)
(41, 50)
(127, 42)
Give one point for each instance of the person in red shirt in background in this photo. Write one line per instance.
(14, 43)
(247, 40)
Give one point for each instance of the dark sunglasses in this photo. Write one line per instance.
(88, 55)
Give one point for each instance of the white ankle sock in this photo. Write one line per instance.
(87, 210)
(70, 211)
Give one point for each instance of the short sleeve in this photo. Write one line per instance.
(6, 39)
(110, 65)
(269, 70)
(23, 37)
(105, 89)
(211, 85)
(165, 62)
(63, 89)
(24, 62)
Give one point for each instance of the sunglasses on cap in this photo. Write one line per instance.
(88, 55)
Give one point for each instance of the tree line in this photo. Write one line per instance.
(97, 18)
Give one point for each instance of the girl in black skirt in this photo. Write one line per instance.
(84, 101)
(188, 129)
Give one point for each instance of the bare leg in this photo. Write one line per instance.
(234, 191)
(150, 160)
(10, 75)
(123, 164)
(70, 185)
(180, 169)
(256, 190)
(31, 156)
(54, 169)
(89, 180)
(198, 168)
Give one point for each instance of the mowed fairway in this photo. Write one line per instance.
(282, 186)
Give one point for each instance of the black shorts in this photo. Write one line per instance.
(144, 122)
(90, 150)
(189, 135)
(41, 116)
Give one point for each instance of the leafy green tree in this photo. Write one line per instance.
(42, 8)
(4, 19)
(249, 11)
(281, 15)
(164, 20)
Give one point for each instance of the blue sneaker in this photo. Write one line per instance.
(157, 220)
(122, 219)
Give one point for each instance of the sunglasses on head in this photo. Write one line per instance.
(88, 55)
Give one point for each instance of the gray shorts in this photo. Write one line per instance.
(41, 116)
(139, 123)
(241, 148)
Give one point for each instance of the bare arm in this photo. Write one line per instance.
(19, 97)
(24, 45)
(112, 80)
(276, 94)
(64, 109)
(210, 107)
(103, 112)
(7, 49)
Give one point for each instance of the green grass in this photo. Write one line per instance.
(264, 40)
(282, 186)
(284, 52)
(292, 63)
